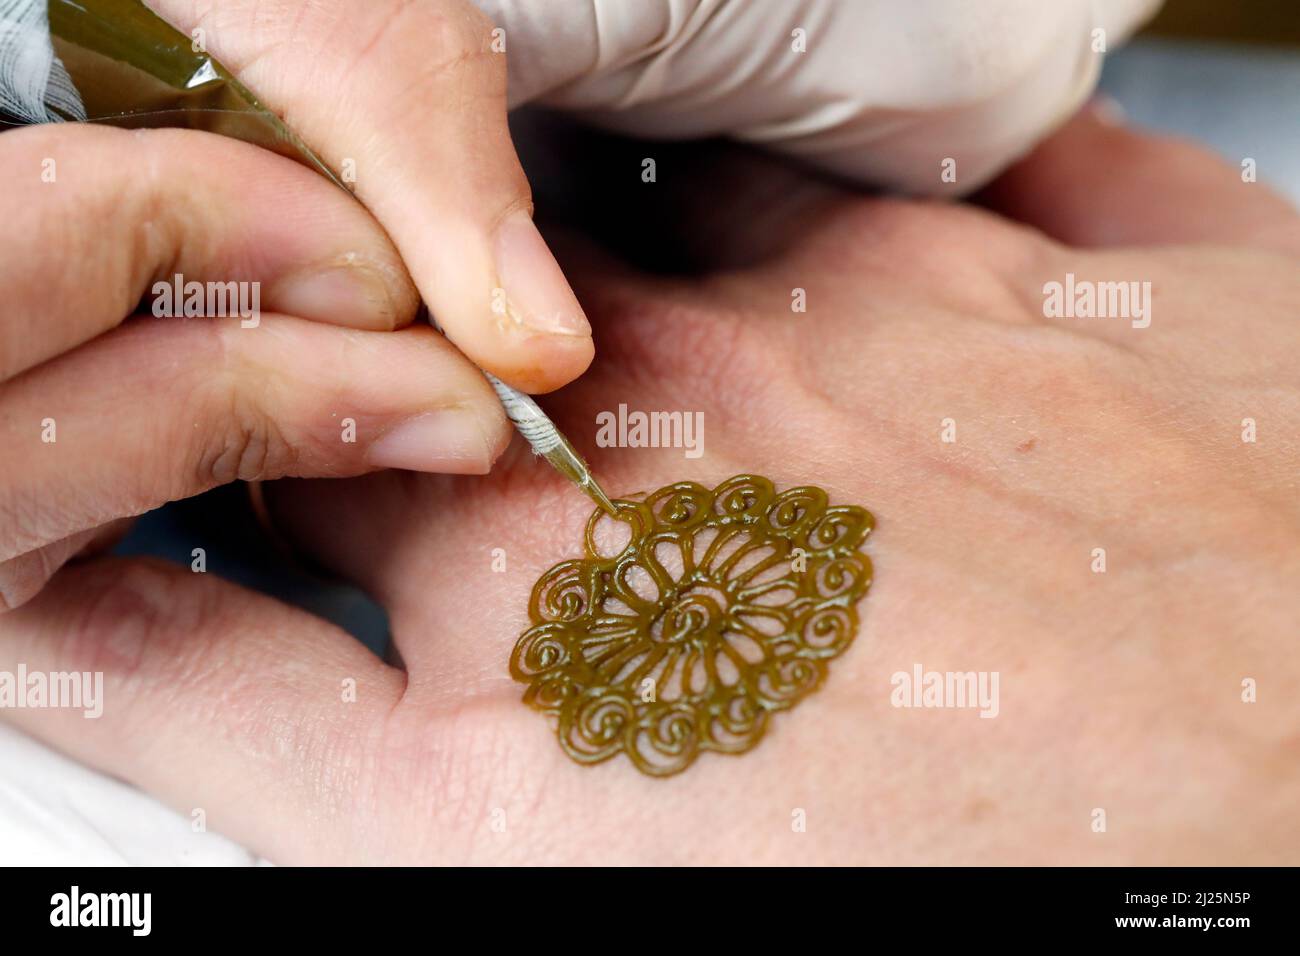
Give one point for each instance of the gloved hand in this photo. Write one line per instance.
(879, 91)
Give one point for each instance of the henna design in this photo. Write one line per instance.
(700, 628)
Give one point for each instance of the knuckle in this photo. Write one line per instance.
(231, 431)
(123, 609)
(249, 446)
(150, 628)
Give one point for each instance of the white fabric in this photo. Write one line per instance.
(32, 79)
(55, 812)
(884, 92)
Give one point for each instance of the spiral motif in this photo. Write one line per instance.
(722, 609)
(562, 593)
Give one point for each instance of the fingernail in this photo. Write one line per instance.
(537, 296)
(447, 441)
(1107, 110)
(353, 295)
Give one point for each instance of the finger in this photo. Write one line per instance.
(213, 698)
(22, 577)
(121, 210)
(412, 96)
(163, 409)
(1100, 183)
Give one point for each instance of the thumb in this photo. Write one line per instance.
(409, 100)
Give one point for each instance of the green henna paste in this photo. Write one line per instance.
(723, 608)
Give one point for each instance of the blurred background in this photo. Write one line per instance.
(1247, 21)
(1225, 72)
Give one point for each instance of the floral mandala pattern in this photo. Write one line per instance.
(723, 608)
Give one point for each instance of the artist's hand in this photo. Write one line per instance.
(101, 420)
(1076, 441)
(408, 101)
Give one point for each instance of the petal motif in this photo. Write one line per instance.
(722, 609)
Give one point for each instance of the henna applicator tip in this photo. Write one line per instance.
(549, 442)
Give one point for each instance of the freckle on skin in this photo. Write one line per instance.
(1027, 445)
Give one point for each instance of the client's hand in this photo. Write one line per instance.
(1112, 528)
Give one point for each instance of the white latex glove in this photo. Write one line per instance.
(884, 92)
